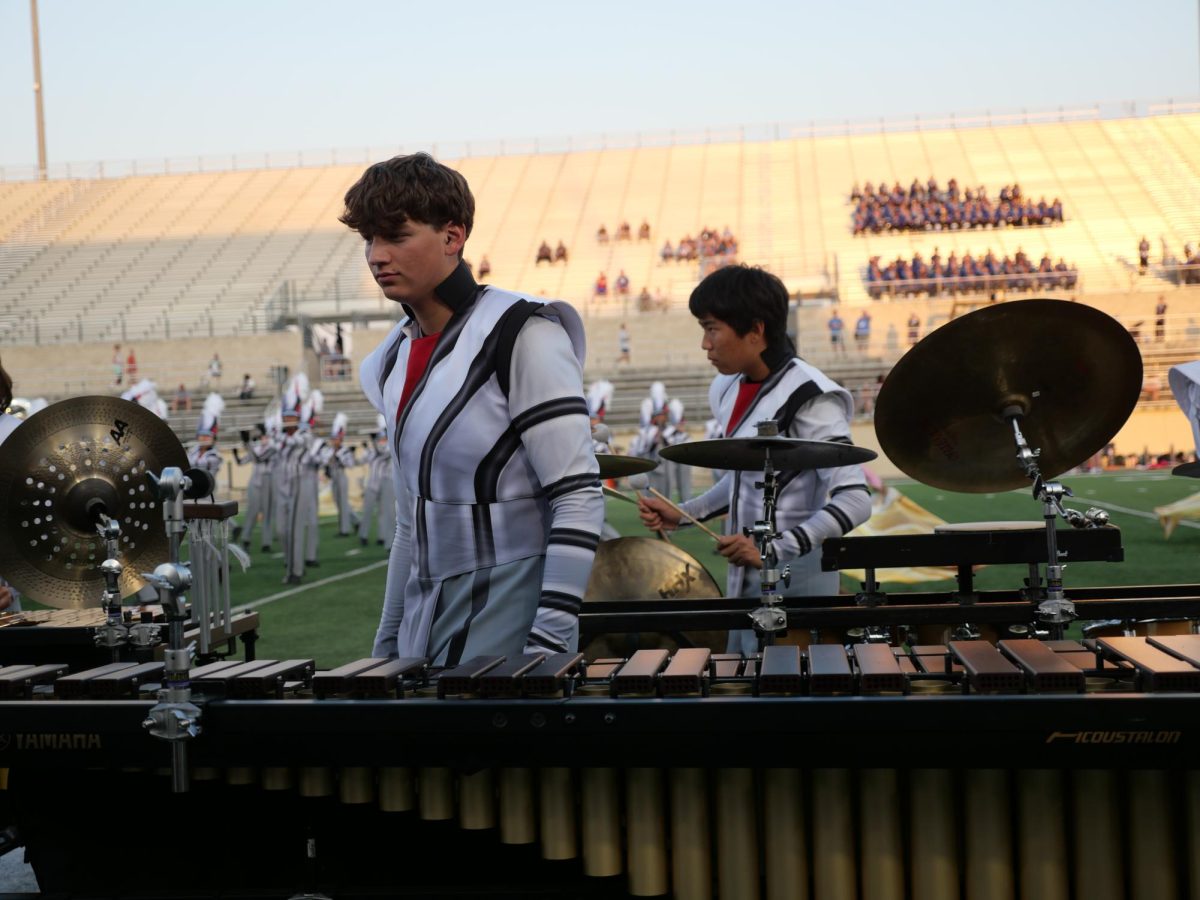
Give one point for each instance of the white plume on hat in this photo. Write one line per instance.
(340, 421)
(313, 406)
(294, 395)
(381, 422)
(1184, 380)
(675, 411)
(658, 394)
(214, 405)
(599, 397)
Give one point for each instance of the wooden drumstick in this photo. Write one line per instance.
(641, 482)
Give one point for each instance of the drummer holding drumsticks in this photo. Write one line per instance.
(743, 312)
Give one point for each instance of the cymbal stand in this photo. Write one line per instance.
(174, 718)
(770, 618)
(1055, 610)
(112, 634)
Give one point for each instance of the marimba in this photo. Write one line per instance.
(1057, 769)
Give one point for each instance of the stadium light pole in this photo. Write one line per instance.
(37, 91)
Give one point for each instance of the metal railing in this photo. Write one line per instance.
(467, 149)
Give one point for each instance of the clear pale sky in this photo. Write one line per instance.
(151, 78)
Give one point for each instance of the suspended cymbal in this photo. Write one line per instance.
(1074, 372)
(56, 470)
(1187, 470)
(614, 466)
(750, 454)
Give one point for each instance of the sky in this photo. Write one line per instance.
(144, 79)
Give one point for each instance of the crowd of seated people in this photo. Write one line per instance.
(624, 232)
(721, 246)
(926, 207)
(967, 274)
(546, 255)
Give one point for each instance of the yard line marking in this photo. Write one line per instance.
(1141, 514)
(291, 592)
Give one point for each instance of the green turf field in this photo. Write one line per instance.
(333, 619)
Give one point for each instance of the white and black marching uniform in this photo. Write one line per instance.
(812, 505)
(305, 534)
(8, 424)
(379, 496)
(290, 451)
(498, 495)
(340, 460)
(679, 476)
(259, 495)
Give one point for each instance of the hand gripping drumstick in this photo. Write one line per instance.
(641, 482)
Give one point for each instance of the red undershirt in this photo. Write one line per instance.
(747, 391)
(418, 361)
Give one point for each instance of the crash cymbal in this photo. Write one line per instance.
(750, 454)
(614, 466)
(56, 470)
(1072, 371)
(1187, 470)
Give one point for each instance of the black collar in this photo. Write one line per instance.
(459, 288)
(778, 356)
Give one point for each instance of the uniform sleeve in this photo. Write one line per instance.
(399, 565)
(548, 410)
(712, 503)
(848, 499)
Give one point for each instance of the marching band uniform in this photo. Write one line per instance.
(203, 455)
(714, 430)
(292, 445)
(379, 495)
(649, 439)
(679, 476)
(811, 505)
(261, 454)
(341, 457)
(1184, 380)
(305, 536)
(599, 398)
(498, 499)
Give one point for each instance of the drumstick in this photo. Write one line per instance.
(643, 483)
(612, 492)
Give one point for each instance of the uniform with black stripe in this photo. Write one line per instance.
(812, 505)
(497, 489)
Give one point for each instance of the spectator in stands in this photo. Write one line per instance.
(862, 331)
(602, 235)
(623, 344)
(485, 267)
(837, 330)
(246, 391)
(214, 369)
(183, 400)
(623, 284)
(601, 287)
(560, 252)
(623, 232)
(118, 365)
(1160, 319)
(645, 301)
(545, 254)
(644, 231)
(1143, 255)
(660, 300)
(667, 253)
(130, 367)
(914, 329)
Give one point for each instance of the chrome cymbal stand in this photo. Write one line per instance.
(174, 718)
(770, 618)
(113, 634)
(1055, 610)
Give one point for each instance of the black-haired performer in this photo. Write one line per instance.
(743, 312)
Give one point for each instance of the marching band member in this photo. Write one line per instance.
(204, 454)
(379, 495)
(679, 476)
(260, 454)
(649, 439)
(291, 447)
(498, 497)
(305, 534)
(599, 398)
(743, 312)
(341, 458)
(10, 600)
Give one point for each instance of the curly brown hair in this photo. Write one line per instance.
(415, 187)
